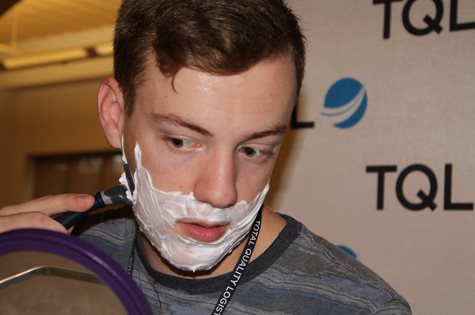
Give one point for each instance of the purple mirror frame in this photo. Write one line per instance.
(83, 253)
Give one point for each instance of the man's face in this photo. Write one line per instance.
(216, 136)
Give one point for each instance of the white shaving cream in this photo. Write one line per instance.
(157, 212)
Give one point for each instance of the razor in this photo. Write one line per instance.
(111, 196)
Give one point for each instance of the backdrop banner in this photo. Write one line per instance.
(381, 156)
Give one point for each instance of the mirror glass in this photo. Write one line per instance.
(42, 283)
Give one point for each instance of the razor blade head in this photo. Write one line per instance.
(130, 179)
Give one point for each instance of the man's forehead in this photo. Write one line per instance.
(152, 69)
(267, 88)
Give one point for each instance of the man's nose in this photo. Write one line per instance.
(216, 184)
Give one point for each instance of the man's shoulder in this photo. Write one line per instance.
(313, 266)
(112, 231)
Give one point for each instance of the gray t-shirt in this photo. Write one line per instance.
(300, 273)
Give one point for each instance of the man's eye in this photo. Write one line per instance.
(248, 151)
(178, 143)
(255, 152)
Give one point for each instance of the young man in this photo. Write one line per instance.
(200, 101)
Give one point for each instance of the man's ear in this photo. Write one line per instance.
(110, 106)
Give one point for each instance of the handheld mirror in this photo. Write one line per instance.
(45, 272)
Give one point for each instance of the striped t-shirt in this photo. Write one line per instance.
(300, 273)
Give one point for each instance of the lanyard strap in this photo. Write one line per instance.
(238, 271)
(130, 266)
(240, 267)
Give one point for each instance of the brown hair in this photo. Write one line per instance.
(216, 36)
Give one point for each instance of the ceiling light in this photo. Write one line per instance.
(43, 58)
(104, 49)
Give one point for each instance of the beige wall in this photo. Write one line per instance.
(52, 119)
(8, 116)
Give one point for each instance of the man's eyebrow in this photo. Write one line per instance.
(178, 121)
(277, 130)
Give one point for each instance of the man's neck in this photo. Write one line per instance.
(272, 225)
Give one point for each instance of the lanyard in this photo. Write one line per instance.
(240, 267)
(238, 271)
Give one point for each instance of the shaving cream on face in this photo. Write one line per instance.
(157, 212)
(131, 195)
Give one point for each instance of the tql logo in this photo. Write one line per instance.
(426, 199)
(345, 102)
(431, 23)
(345, 105)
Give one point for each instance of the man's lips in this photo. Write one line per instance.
(201, 231)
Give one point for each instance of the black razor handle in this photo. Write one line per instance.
(114, 195)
